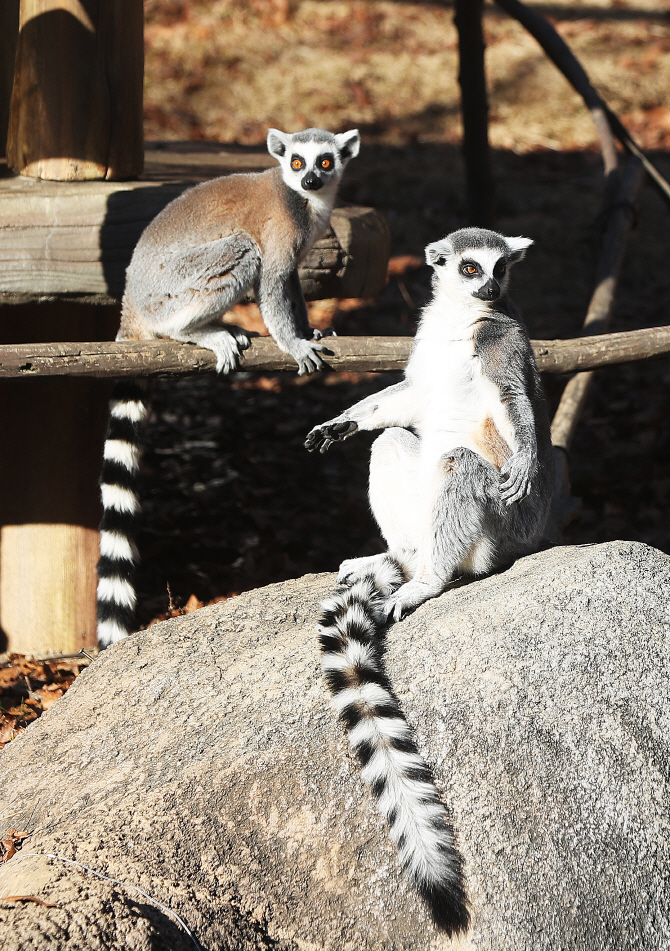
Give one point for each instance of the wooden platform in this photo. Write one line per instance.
(73, 240)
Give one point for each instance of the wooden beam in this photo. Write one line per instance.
(74, 240)
(154, 358)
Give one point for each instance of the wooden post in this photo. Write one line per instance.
(474, 111)
(52, 431)
(76, 110)
(9, 31)
(601, 306)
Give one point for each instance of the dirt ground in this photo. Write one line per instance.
(232, 500)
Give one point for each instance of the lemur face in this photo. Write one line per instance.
(313, 159)
(475, 263)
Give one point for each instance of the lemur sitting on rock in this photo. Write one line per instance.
(195, 260)
(460, 483)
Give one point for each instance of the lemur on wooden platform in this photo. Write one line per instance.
(195, 260)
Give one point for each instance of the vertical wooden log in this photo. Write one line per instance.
(76, 110)
(601, 306)
(474, 111)
(52, 431)
(9, 32)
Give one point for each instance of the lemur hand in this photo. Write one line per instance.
(516, 476)
(323, 436)
(306, 354)
(319, 334)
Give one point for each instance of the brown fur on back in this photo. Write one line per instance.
(250, 202)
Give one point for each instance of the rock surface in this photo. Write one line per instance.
(199, 761)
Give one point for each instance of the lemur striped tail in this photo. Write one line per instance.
(121, 506)
(398, 776)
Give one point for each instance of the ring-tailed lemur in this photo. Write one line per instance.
(193, 262)
(460, 482)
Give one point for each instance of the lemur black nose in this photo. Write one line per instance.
(488, 291)
(311, 182)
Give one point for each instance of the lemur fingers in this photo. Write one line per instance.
(517, 474)
(322, 437)
(319, 334)
(307, 355)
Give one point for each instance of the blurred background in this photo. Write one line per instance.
(233, 500)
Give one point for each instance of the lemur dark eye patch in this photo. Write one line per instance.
(470, 269)
(326, 162)
(500, 268)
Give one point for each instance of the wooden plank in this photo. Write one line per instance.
(67, 240)
(168, 357)
(76, 110)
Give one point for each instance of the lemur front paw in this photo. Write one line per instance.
(516, 476)
(318, 334)
(322, 437)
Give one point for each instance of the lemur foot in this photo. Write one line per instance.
(319, 334)
(227, 346)
(322, 437)
(352, 569)
(408, 597)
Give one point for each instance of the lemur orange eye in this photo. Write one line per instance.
(325, 163)
(296, 163)
(469, 269)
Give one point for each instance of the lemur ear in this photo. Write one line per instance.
(349, 144)
(438, 252)
(518, 247)
(277, 143)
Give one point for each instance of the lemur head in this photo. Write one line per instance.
(313, 159)
(474, 262)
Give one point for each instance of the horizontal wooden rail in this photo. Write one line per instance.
(167, 357)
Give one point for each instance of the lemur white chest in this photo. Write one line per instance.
(458, 405)
(319, 211)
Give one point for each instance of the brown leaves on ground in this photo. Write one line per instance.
(9, 846)
(28, 687)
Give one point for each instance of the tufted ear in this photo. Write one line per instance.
(438, 252)
(349, 144)
(517, 248)
(278, 143)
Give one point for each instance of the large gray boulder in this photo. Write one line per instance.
(199, 761)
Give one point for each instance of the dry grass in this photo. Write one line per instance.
(228, 69)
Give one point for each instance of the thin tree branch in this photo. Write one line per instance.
(565, 60)
(161, 358)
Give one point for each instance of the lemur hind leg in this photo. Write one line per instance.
(195, 288)
(395, 496)
(393, 471)
(465, 521)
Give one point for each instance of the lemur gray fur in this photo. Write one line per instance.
(193, 262)
(460, 483)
